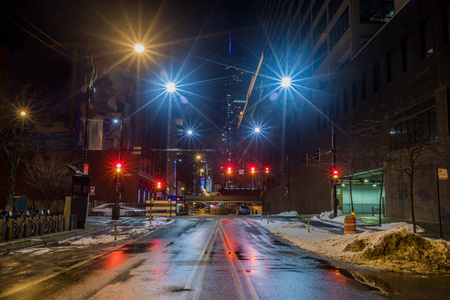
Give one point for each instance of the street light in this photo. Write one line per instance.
(139, 48)
(285, 82)
(23, 113)
(190, 132)
(170, 87)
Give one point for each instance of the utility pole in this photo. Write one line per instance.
(90, 75)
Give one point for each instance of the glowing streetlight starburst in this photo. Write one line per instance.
(285, 82)
(257, 130)
(170, 87)
(190, 132)
(139, 48)
(23, 113)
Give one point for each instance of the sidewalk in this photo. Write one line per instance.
(39, 240)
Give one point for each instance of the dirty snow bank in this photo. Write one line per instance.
(396, 249)
(291, 213)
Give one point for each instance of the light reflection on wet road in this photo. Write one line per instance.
(209, 258)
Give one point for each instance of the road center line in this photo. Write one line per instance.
(249, 284)
(188, 285)
(237, 282)
(198, 288)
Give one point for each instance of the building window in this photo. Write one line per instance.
(345, 99)
(406, 53)
(426, 38)
(389, 70)
(320, 28)
(446, 21)
(414, 125)
(363, 86)
(372, 11)
(333, 7)
(316, 8)
(320, 55)
(354, 94)
(376, 77)
(306, 26)
(304, 9)
(339, 28)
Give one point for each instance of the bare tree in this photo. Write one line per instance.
(374, 132)
(409, 144)
(50, 175)
(351, 158)
(21, 111)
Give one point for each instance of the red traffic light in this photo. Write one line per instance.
(335, 173)
(229, 170)
(253, 170)
(267, 169)
(158, 184)
(119, 167)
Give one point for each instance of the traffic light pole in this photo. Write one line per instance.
(333, 161)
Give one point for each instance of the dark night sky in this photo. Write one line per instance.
(186, 32)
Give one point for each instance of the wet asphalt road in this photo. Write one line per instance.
(204, 257)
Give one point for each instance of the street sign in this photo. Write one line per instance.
(241, 171)
(92, 193)
(442, 174)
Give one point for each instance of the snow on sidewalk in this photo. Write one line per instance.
(394, 248)
(124, 233)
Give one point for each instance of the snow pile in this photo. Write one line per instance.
(157, 222)
(291, 213)
(396, 249)
(329, 216)
(397, 225)
(401, 250)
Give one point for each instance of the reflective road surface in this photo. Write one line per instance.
(201, 257)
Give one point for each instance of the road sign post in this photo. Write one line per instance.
(441, 174)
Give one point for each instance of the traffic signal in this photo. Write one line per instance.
(119, 168)
(229, 170)
(253, 170)
(335, 174)
(316, 155)
(287, 186)
(305, 160)
(267, 170)
(158, 184)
